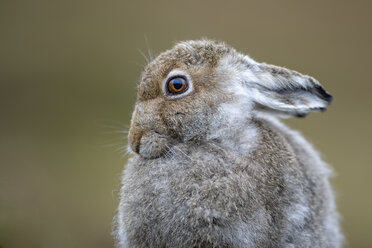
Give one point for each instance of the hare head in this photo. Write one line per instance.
(202, 90)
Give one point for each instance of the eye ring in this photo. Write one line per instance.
(177, 85)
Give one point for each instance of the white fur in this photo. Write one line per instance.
(297, 213)
(235, 119)
(120, 232)
(235, 116)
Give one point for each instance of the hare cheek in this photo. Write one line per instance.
(152, 145)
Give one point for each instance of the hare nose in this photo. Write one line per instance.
(135, 140)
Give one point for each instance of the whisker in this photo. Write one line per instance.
(110, 145)
(169, 153)
(138, 64)
(115, 127)
(148, 48)
(125, 152)
(187, 156)
(143, 55)
(117, 131)
(111, 123)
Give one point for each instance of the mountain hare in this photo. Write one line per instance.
(212, 166)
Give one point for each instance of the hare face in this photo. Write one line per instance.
(203, 90)
(162, 115)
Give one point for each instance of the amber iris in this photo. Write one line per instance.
(177, 85)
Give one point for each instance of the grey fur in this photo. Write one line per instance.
(216, 168)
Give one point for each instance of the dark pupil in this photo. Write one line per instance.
(177, 83)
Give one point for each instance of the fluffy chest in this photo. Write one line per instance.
(192, 185)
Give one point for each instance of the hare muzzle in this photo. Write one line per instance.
(149, 144)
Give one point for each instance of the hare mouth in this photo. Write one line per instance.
(153, 145)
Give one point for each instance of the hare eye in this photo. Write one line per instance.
(177, 85)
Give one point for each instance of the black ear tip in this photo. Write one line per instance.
(301, 115)
(328, 97)
(323, 94)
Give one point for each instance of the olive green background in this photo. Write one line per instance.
(68, 72)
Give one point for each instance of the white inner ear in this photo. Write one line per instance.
(273, 103)
(174, 73)
(261, 87)
(301, 103)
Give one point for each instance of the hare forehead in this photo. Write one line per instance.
(190, 56)
(187, 54)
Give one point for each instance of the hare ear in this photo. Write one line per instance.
(284, 92)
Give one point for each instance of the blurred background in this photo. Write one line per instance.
(68, 74)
